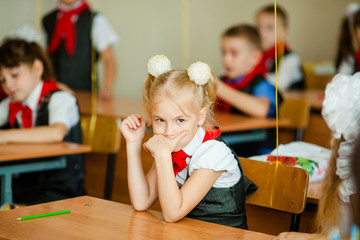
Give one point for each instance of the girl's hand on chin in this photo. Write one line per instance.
(159, 144)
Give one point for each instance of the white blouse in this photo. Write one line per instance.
(344, 171)
(213, 155)
(62, 108)
(289, 72)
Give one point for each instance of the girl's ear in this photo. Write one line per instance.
(202, 116)
(38, 68)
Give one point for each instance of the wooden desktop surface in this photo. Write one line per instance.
(314, 96)
(314, 192)
(19, 151)
(94, 218)
(123, 107)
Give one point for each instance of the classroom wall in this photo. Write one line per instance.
(188, 30)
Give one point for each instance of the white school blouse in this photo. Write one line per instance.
(213, 155)
(62, 108)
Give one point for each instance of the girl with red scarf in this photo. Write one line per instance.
(194, 173)
(37, 111)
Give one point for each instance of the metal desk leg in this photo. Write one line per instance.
(6, 194)
(109, 176)
(7, 171)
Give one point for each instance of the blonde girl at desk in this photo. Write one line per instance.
(194, 173)
(337, 211)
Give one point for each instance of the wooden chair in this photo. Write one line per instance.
(297, 111)
(281, 188)
(104, 136)
(318, 74)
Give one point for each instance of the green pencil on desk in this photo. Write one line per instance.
(43, 215)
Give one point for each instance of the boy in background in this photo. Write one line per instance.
(244, 88)
(290, 73)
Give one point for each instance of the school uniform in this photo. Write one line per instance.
(347, 186)
(255, 84)
(72, 59)
(53, 107)
(225, 202)
(290, 74)
(351, 65)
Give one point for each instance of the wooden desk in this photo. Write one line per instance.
(113, 107)
(229, 122)
(21, 151)
(93, 218)
(315, 97)
(314, 192)
(12, 154)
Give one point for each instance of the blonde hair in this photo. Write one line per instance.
(171, 82)
(329, 212)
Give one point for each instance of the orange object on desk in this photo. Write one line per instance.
(290, 161)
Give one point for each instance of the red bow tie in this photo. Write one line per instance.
(179, 158)
(179, 161)
(65, 28)
(26, 115)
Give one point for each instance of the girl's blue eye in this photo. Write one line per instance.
(160, 120)
(180, 120)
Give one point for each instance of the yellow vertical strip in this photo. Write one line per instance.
(185, 21)
(94, 89)
(38, 16)
(277, 115)
(276, 90)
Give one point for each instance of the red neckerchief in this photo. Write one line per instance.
(26, 113)
(65, 28)
(179, 158)
(269, 55)
(357, 62)
(238, 85)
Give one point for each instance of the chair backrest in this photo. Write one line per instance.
(101, 133)
(296, 110)
(282, 188)
(318, 74)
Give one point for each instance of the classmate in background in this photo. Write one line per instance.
(37, 111)
(194, 173)
(244, 88)
(290, 73)
(337, 206)
(72, 31)
(348, 51)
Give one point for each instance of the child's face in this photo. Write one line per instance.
(238, 56)
(169, 120)
(266, 26)
(18, 82)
